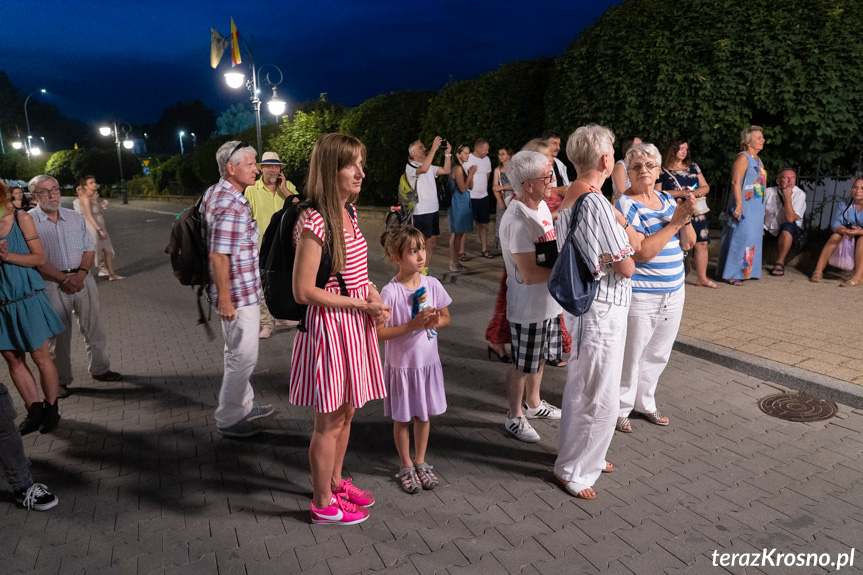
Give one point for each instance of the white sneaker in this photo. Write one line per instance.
(266, 332)
(522, 429)
(544, 410)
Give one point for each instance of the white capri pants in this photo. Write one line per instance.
(654, 319)
(591, 396)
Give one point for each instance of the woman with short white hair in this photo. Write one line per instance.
(591, 395)
(526, 224)
(665, 230)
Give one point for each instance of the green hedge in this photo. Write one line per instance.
(504, 107)
(297, 136)
(386, 124)
(706, 70)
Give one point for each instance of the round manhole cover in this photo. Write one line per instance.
(797, 407)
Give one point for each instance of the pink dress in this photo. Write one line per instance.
(412, 369)
(337, 360)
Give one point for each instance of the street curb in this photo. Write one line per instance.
(807, 382)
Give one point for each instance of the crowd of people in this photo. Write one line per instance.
(634, 249)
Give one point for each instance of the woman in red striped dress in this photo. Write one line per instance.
(336, 364)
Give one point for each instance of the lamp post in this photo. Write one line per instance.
(235, 80)
(107, 131)
(181, 142)
(27, 119)
(194, 139)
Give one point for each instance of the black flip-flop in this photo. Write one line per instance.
(778, 270)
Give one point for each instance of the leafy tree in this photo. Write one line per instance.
(706, 70)
(234, 120)
(297, 137)
(386, 124)
(188, 116)
(60, 166)
(103, 165)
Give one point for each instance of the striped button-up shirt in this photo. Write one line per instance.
(65, 240)
(230, 229)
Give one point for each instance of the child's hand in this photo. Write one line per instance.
(433, 321)
(420, 320)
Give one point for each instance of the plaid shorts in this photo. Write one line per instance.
(534, 342)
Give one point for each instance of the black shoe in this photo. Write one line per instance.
(31, 423)
(501, 358)
(109, 376)
(51, 419)
(36, 498)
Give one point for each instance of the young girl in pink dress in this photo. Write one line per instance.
(412, 370)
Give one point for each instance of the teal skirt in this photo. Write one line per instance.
(26, 324)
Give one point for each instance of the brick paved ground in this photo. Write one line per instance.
(147, 485)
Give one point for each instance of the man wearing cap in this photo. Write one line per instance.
(267, 197)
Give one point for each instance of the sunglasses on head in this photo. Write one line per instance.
(239, 146)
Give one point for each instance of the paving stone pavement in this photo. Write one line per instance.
(147, 485)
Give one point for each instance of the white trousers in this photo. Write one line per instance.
(83, 308)
(654, 319)
(590, 398)
(241, 356)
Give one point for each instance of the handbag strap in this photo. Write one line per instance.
(673, 177)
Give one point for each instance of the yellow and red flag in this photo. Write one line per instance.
(235, 45)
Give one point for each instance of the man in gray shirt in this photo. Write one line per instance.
(69, 255)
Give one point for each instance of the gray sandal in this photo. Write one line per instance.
(408, 480)
(427, 478)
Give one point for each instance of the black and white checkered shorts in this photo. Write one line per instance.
(534, 342)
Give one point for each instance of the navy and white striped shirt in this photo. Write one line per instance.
(664, 273)
(601, 242)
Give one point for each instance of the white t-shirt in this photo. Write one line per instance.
(774, 210)
(520, 229)
(427, 202)
(479, 185)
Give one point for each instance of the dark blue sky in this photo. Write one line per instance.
(131, 59)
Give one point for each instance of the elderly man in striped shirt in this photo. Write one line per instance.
(69, 255)
(235, 288)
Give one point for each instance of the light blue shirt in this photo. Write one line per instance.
(64, 241)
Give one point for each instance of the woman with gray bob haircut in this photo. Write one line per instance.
(530, 309)
(665, 230)
(592, 394)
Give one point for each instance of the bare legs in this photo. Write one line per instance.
(401, 435)
(456, 241)
(109, 263)
(784, 246)
(23, 378)
(483, 236)
(699, 257)
(327, 452)
(431, 244)
(826, 252)
(520, 387)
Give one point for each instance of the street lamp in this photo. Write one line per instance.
(276, 105)
(194, 140)
(181, 141)
(27, 118)
(235, 79)
(17, 145)
(107, 131)
(44, 145)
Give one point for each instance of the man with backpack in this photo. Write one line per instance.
(421, 175)
(231, 236)
(266, 197)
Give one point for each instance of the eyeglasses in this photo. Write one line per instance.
(638, 167)
(546, 179)
(240, 146)
(55, 191)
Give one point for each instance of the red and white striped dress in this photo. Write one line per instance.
(338, 360)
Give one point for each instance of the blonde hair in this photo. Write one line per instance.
(587, 145)
(396, 240)
(746, 136)
(536, 145)
(331, 153)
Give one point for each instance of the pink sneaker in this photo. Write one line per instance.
(354, 494)
(340, 512)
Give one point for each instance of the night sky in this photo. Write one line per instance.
(130, 59)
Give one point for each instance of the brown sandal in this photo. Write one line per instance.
(850, 283)
(816, 277)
